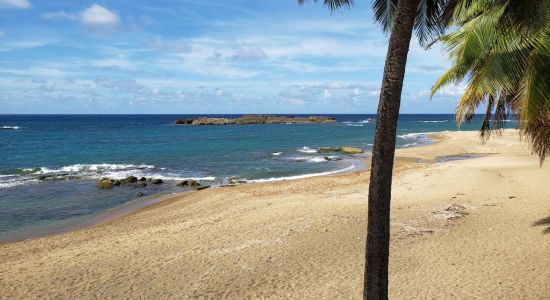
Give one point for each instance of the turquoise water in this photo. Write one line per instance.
(80, 149)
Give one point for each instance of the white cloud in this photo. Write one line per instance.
(59, 15)
(18, 4)
(125, 84)
(357, 92)
(2, 34)
(452, 90)
(49, 72)
(173, 46)
(113, 63)
(37, 72)
(249, 54)
(95, 15)
(24, 44)
(99, 15)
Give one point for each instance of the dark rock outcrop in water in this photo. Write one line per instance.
(184, 122)
(193, 184)
(106, 183)
(346, 150)
(129, 179)
(257, 119)
(141, 184)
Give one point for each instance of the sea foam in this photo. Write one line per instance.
(349, 168)
(433, 121)
(94, 172)
(309, 159)
(91, 168)
(306, 150)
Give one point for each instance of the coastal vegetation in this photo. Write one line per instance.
(501, 49)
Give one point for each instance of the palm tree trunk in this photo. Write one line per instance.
(378, 232)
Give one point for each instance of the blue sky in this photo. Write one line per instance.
(199, 56)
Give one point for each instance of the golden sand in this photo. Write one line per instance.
(462, 229)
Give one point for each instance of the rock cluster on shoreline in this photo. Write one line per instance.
(192, 184)
(106, 183)
(345, 149)
(256, 119)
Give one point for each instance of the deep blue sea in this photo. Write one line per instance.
(81, 149)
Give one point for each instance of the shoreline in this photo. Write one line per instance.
(138, 204)
(66, 226)
(358, 164)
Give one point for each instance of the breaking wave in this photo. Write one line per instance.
(433, 121)
(89, 168)
(349, 168)
(306, 150)
(309, 159)
(92, 172)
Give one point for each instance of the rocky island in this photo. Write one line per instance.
(256, 119)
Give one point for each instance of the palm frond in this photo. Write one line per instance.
(485, 130)
(502, 49)
(534, 92)
(427, 24)
(384, 11)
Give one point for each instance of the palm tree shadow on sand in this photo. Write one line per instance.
(542, 222)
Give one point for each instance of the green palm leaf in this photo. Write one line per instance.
(502, 50)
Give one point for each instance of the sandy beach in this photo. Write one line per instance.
(476, 228)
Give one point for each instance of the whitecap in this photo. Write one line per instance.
(302, 176)
(10, 127)
(97, 171)
(9, 181)
(317, 159)
(276, 153)
(91, 168)
(358, 123)
(433, 121)
(144, 173)
(176, 177)
(310, 159)
(306, 150)
(413, 135)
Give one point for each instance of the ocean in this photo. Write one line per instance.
(80, 149)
